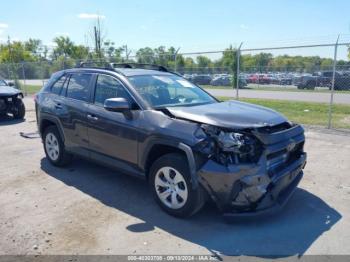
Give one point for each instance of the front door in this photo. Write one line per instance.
(111, 134)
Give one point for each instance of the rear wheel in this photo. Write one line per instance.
(171, 186)
(19, 110)
(311, 85)
(54, 147)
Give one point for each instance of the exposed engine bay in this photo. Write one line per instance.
(230, 147)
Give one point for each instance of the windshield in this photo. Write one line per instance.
(2, 83)
(169, 90)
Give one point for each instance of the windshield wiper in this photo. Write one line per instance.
(187, 105)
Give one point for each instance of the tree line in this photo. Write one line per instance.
(34, 60)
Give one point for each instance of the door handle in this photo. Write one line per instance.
(92, 117)
(58, 105)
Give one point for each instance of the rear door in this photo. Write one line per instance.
(111, 134)
(75, 107)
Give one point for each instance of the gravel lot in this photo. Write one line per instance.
(88, 209)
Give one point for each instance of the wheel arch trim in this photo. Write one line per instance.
(54, 120)
(178, 145)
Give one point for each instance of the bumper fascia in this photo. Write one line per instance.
(220, 183)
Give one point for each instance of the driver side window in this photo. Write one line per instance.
(109, 87)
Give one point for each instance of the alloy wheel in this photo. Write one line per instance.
(171, 187)
(52, 146)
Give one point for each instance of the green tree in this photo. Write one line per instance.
(145, 55)
(204, 64)
(67, 49)
(15, 52)
(64, 47)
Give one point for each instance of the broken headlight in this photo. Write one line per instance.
(230, 147)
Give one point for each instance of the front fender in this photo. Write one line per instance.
(179, 145)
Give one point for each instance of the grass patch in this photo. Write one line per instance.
(31, 89)
(308, 113)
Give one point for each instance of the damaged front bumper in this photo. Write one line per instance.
(262, 188)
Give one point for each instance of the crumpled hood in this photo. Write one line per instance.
(230, 114)
(8, 91)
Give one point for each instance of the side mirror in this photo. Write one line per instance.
(11, 84)
(117, 105)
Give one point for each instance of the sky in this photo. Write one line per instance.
(192, 25)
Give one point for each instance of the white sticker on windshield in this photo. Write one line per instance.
(164, 79)
(185, 83)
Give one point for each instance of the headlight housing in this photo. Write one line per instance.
(231, 147)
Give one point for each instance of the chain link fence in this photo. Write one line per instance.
(294, 80)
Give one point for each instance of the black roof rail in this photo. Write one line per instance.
(95, 64)
(140, 66)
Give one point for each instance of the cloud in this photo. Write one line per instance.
(3, 25)
(143, 27)
(62, 34)
(50, 44)
(243, 27)
(90, 16)
(1, 31)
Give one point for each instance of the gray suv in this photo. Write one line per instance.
(190, 147)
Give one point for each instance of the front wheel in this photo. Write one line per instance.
(171, 186)
(19, 109)
(54, 147)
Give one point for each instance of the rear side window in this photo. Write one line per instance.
(108, 87)
(78, 87)
(57, 86)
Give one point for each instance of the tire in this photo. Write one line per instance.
(172, 171)
(311, 85)
(54, 147)
(19, 109)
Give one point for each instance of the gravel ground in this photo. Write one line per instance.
(88, 209)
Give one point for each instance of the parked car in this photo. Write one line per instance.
(201, 79)
(285, 79)
(11, 100)
(221, 81)
(227, 81)
(187, 76)
(190, 147)
(253, 79)
(323, 79)
(259, 79)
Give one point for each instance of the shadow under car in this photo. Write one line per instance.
(288, 233)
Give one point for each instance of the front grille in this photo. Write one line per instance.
(283, 156)
(2, 104)
(276, 154)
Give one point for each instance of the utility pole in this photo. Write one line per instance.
(333, 80)
(97, 38)
(10, 56)
(127, 53)
(238, 54)
(175, 62)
